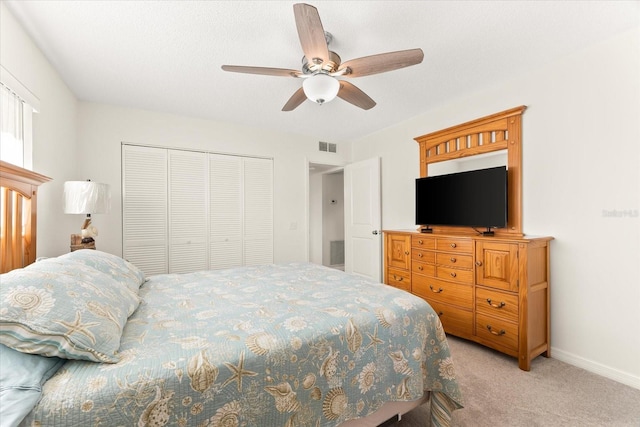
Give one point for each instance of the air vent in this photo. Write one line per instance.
(328, 147)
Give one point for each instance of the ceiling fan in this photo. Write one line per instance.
(321, 67)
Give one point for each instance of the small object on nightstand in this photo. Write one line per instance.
(77, 242)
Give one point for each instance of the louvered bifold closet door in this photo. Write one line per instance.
(188, 211)
(225, 232)
(144, 208)
(258, 211)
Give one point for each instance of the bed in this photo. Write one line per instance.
(281, 345)
(87, 340)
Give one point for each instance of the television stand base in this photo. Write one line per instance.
(488, 233)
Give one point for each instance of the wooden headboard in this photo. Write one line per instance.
(500, 131)
(18, 215)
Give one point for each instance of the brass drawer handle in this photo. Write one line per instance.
(453, 274)
(502, 304)
(479, 263)
(453, 245)
(398, 279)
(452, 259)
(502, 331)
(406, 252)
(420, 268)
(434, 291)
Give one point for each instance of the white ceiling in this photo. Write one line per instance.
(166, 55)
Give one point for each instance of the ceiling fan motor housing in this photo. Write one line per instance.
(314, 65)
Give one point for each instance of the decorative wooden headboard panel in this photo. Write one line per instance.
(500, 131)
(18, 215)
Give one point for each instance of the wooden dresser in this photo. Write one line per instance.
(491, 290)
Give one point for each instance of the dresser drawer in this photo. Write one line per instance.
(454, 260)
(399, 278)
(422, 242)
(455, 321)
(458, 245)
(455, 274)
(497, 304)
(498, 332)
(423, 268)
(423, 256)
(447, 292)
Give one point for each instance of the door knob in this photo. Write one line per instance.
(374, 232)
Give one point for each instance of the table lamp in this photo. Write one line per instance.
(86, 197)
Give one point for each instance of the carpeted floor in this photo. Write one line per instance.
(553, 393)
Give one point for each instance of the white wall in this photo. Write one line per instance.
(54, 132)
(102, 129)
(581, 157)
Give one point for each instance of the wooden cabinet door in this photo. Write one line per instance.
(497, 265)
(398, 250)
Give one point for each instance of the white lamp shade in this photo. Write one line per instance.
(86, 197)
(321, 88)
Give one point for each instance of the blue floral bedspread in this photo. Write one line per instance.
(277, 345)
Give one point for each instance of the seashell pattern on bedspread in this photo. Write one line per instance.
(277, 345)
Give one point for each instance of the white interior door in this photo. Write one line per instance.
(363, 237)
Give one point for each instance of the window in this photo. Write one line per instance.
(17, 105)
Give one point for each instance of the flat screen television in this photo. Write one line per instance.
(475, 198)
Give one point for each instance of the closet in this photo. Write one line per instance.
(189, 210)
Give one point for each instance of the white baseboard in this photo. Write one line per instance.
(597, 368)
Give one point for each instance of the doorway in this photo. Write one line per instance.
(326, 215)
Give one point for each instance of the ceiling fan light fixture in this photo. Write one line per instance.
(321, 88)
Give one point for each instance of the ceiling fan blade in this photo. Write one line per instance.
(280, 72)
(296, 99)
(311, 33)
(355, 96)
(374, 64)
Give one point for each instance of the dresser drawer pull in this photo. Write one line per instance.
(440, 313)
(502, 331)
(453, 274)
(433, 290)
(420, 268)
(452, 259)
(419, 255)
(399, 279)
(406, 252)
(479, 263)
(453, 245)
(419, 242)
(502, 304)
